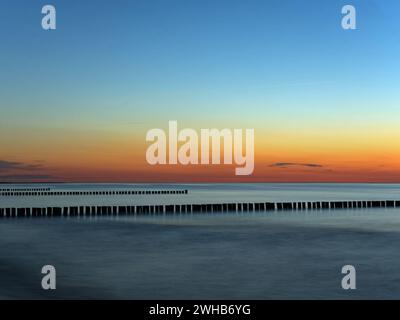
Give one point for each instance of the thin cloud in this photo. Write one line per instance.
(12, 171)
(24, 177)
(9, 165)
(296, 164)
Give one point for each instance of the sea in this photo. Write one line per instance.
(230, 255)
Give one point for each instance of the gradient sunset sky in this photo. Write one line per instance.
(76, 103)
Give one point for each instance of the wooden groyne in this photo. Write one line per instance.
(75, 211)
(24, 189)
(35, 193)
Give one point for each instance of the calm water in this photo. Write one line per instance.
(206, 193)
(227, 256)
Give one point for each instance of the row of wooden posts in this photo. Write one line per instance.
(72, 211)
(23, 189)
(89, 193)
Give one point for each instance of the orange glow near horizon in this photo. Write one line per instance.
(279, 157)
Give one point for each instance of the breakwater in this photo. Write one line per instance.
(74, 211)
(47, 192)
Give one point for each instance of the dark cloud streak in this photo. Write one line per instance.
(20, 177)
(9, 165)
(292, 164)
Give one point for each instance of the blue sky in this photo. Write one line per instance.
(196, 52)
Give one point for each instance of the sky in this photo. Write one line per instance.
(76, 102)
